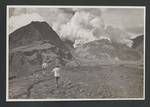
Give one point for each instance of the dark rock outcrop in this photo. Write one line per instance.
(137, 41)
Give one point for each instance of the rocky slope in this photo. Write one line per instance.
(138, 44)
(106, 52)
(33, 44)
(35, 31)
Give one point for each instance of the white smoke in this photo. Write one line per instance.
(78, 25)
(119, 36)
(83, 27)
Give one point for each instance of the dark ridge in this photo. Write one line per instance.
(137, 41)
(35, 31)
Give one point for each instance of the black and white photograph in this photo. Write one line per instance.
(69, 53)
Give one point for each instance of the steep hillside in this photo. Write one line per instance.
(35, 31)
(32, 45)
(137, 41)
(106, 52)
(138, 44)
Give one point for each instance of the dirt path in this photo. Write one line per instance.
(113, 81)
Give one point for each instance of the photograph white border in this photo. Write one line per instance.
(61, 6)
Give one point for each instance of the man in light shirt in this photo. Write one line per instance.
(44, 67)
(56, 72)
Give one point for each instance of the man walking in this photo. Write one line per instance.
(56, 72)
(44, 67)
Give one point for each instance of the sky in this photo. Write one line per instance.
(131, 20)
(82, 25)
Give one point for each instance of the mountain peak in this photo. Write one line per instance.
(36, 23)
(137, 41)
(35, 31)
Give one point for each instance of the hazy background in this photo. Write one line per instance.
(82, 25)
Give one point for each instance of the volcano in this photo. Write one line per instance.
(35, 31)
(33, 44)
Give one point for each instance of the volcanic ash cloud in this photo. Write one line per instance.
(78, 25)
